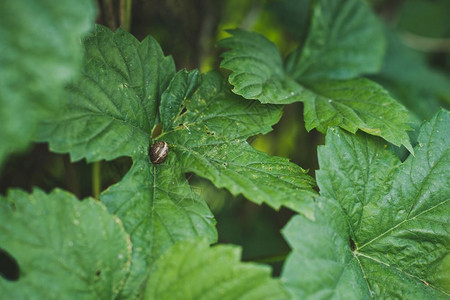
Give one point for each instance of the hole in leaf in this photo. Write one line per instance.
(97, 273)
(9, 268)
(183, 110)
(352, 244)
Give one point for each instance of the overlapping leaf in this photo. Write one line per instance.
(382, 226)
(62, 247)
(126, 89)
(344, 41)
(192, 270)
(40, 53)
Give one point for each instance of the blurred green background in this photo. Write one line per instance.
(416, 72)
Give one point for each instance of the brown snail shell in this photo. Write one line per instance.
(158, 152)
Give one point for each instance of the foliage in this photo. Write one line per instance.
(378, 227)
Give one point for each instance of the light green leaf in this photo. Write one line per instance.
(62, 247)
(357, 104)
(158, 209)
(112, 108)
(344, 40)
(40, 52)
(193, 270)
(258, 71)
(386, 221)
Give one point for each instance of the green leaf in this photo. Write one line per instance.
(258, 71)
(158, 209)
(382, 226)
(62, 247)
(40, 52)
(192, 270)
(344, 40)
(112, 108)
(112, 112)
(357, 104)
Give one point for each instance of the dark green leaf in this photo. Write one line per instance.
(344, 40)
(40, 52)
(192, 270)
(385, 222)
(63, 247)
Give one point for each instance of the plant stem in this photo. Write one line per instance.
(125, 14)
(96, 179)
(108, 10)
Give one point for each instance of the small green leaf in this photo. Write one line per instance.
(357, 104)
(382, 226)
(40, 52)
(112, 108)
(158, 209)
(344, 40)
(62, 247)
(193, 270)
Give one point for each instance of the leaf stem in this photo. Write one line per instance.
(125, 14)
(96, 179)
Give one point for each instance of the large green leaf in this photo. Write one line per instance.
(63, 247)
(381, 228)
(127, 88)
(344, 40)
(192, 270)
(40, 52)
